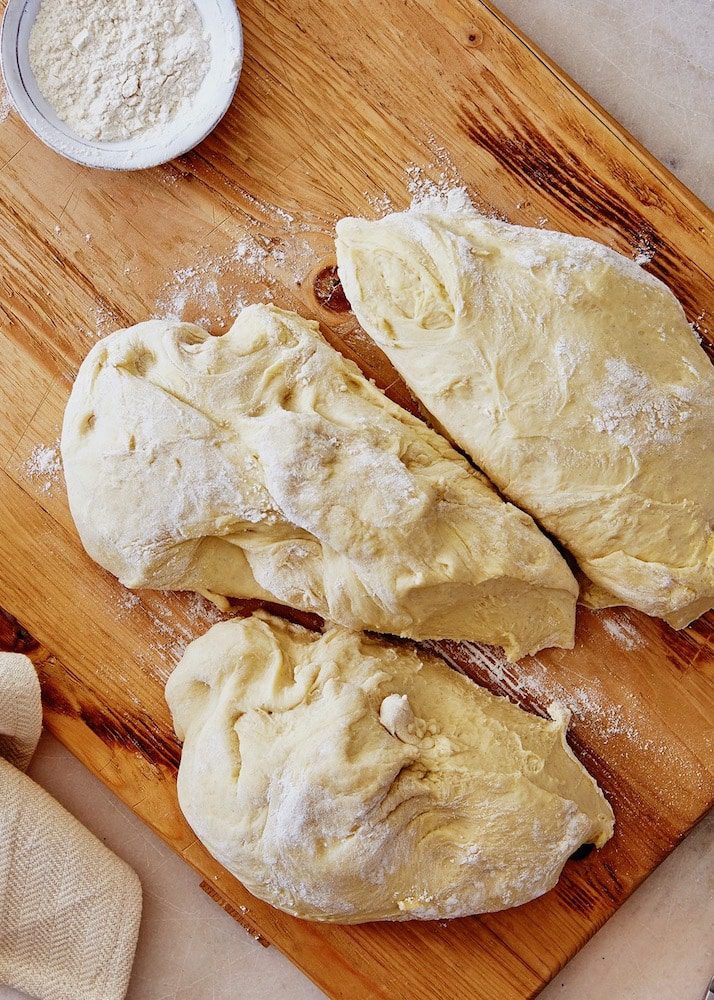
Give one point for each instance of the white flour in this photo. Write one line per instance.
(44, 464)
(634, 409)
(5, 103)
(114, 68)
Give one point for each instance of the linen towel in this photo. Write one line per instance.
(69, 908)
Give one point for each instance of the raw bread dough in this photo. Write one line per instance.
(343, 778)
(570, 376)
(263, 464)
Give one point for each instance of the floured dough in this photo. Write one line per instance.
(343, 778)
(571, 377)
(263, 464)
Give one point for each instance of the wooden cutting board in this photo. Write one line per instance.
(342, 105)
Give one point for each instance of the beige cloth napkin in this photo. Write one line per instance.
(69, 908)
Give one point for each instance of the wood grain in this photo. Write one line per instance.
(337, 100)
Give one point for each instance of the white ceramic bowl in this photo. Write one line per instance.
(157, 145)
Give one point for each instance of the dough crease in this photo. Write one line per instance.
(568, 374)
(262, 464)
(343, 778)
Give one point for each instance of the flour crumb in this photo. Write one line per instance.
(44, 464)
(5, 103)
(438, 177)
(381, 204)
(249, 252)
(644, 249)
(128, 600)
(283, 215)
(420, 186)
(698, 326)
(214, 286)
(104, 322)
(203, 612)
(623, 632)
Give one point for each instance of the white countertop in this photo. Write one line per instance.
(646, 62)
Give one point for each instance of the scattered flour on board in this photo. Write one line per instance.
(215, 284)
(381, 204)
(623, 631)
(176, 620)
(44, 464)
(432, 179)
(105, 322)
(202, 611)
(266, 208)
(644, 249)
(588, 701)
(439, 176)
(128, 600)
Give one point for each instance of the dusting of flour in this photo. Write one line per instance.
(5, 102)
(44, 464)
(632, 407)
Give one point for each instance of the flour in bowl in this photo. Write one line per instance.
(111, 69)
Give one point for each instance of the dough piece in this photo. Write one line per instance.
(263, 464)
(343, 778)
(570, 376)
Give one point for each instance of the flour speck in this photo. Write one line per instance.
(5, 103)
(623, 632)
(45, 465)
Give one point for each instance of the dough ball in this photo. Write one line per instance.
(568, 373)
(343, 778)
(263, 464)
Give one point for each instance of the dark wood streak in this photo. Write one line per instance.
(243, 607)
(682, 648)
(615, 878)
(13, 637)
(577, 896)
(525, 152)
(135, 733)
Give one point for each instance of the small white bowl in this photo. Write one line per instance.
(158, 144)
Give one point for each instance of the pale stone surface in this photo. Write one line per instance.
(647, 62)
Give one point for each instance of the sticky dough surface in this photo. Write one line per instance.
(568, 373)
(263, 464)
(343, 778)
